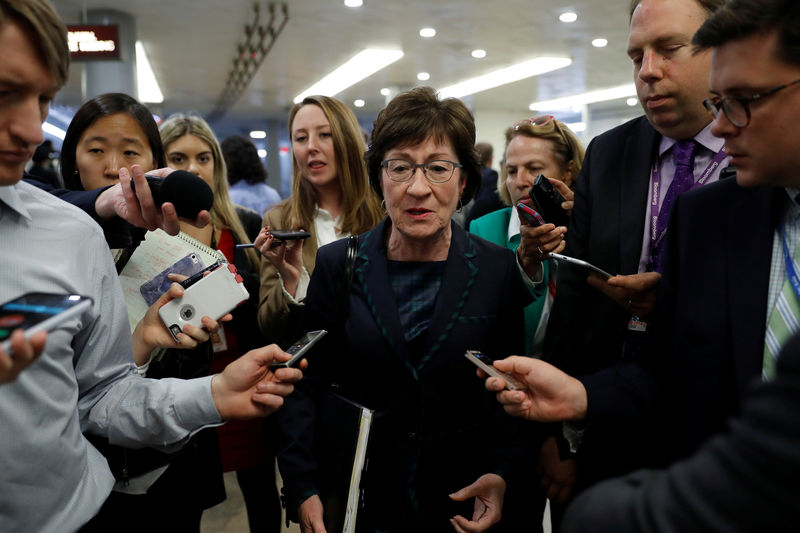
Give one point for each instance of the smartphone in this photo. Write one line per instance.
(531, 217)
(39, 311)
(153, 289)
(214, 295)
(484, 362)
(287, 235)
(299, 349)
(547, 201)
(583, 264)
(194, 278)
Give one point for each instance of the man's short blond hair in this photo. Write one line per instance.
(48, 32)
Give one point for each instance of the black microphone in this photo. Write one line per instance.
(187, 192)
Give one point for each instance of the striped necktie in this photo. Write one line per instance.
(782, 324)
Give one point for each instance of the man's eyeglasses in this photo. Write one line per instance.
(737, 109)
(437, 171)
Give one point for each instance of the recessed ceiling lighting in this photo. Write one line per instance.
(359, 103)
(386, 91)
(479, 54)
(568, 17)
(427, 32)
(590, 97)
(632, 101)
(517, 72)
(423, 76)
(258, 134)
(360, 66)
(261, 153)
(599, 43)
(353, 3)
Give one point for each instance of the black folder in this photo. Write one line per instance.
(341, 445)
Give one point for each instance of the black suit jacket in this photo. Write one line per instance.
(743, 480)
(437, 428)
(708, 337)
(585, 330)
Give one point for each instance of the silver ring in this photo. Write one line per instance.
(540, 250)
(630, 303)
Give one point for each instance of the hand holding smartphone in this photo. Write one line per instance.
(38, 311)
(548, 201)
(485, 363)
(282, 235)
(299, 349)
(213, 295)
(530, 216)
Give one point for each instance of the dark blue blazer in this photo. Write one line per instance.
(743, 480)
(708, 337)
(437, 429)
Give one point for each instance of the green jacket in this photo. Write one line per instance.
(494, 228)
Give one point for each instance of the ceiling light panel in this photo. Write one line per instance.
(362, 65)
(520, 71)
(591, 97)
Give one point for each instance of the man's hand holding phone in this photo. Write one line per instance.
(22, 353)
(635, 292)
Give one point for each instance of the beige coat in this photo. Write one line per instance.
(278, 317)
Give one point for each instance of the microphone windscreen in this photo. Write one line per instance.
(187, 192)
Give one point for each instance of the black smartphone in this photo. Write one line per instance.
(548, 201)
(282, 235)
(299, 349)
(39, 311)
(485, 363)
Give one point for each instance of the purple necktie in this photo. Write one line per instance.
(683, 154)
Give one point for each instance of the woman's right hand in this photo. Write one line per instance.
(310, 516)
(286, 258)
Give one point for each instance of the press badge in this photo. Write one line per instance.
(637, 324)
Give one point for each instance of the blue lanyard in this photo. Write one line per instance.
(791, 273)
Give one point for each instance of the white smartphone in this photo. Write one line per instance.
(214, 295)
(39, 311)
(299, 348)
(577, 262)
(484, 362)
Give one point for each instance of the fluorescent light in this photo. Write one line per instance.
(386, 91)
(517, 72)
(149, 91)
(590, 97)
(55, 131)
(632, 101)
(258, 134)
(423, 76)
(360, 66)
(261, 153)
(353, 3)
(576, 127)
(568, 17)
(600, 43)
(479, 54)
(427, 32)
(359, 103)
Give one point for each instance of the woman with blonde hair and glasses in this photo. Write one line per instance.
(191, 145)
(540, 145)
(331, 199)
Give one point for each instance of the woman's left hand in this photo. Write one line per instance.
(489, 491)
(535, 245)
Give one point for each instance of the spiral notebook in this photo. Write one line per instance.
(158, 251)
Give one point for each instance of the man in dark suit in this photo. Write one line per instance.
(622, 203)
(728, 302)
